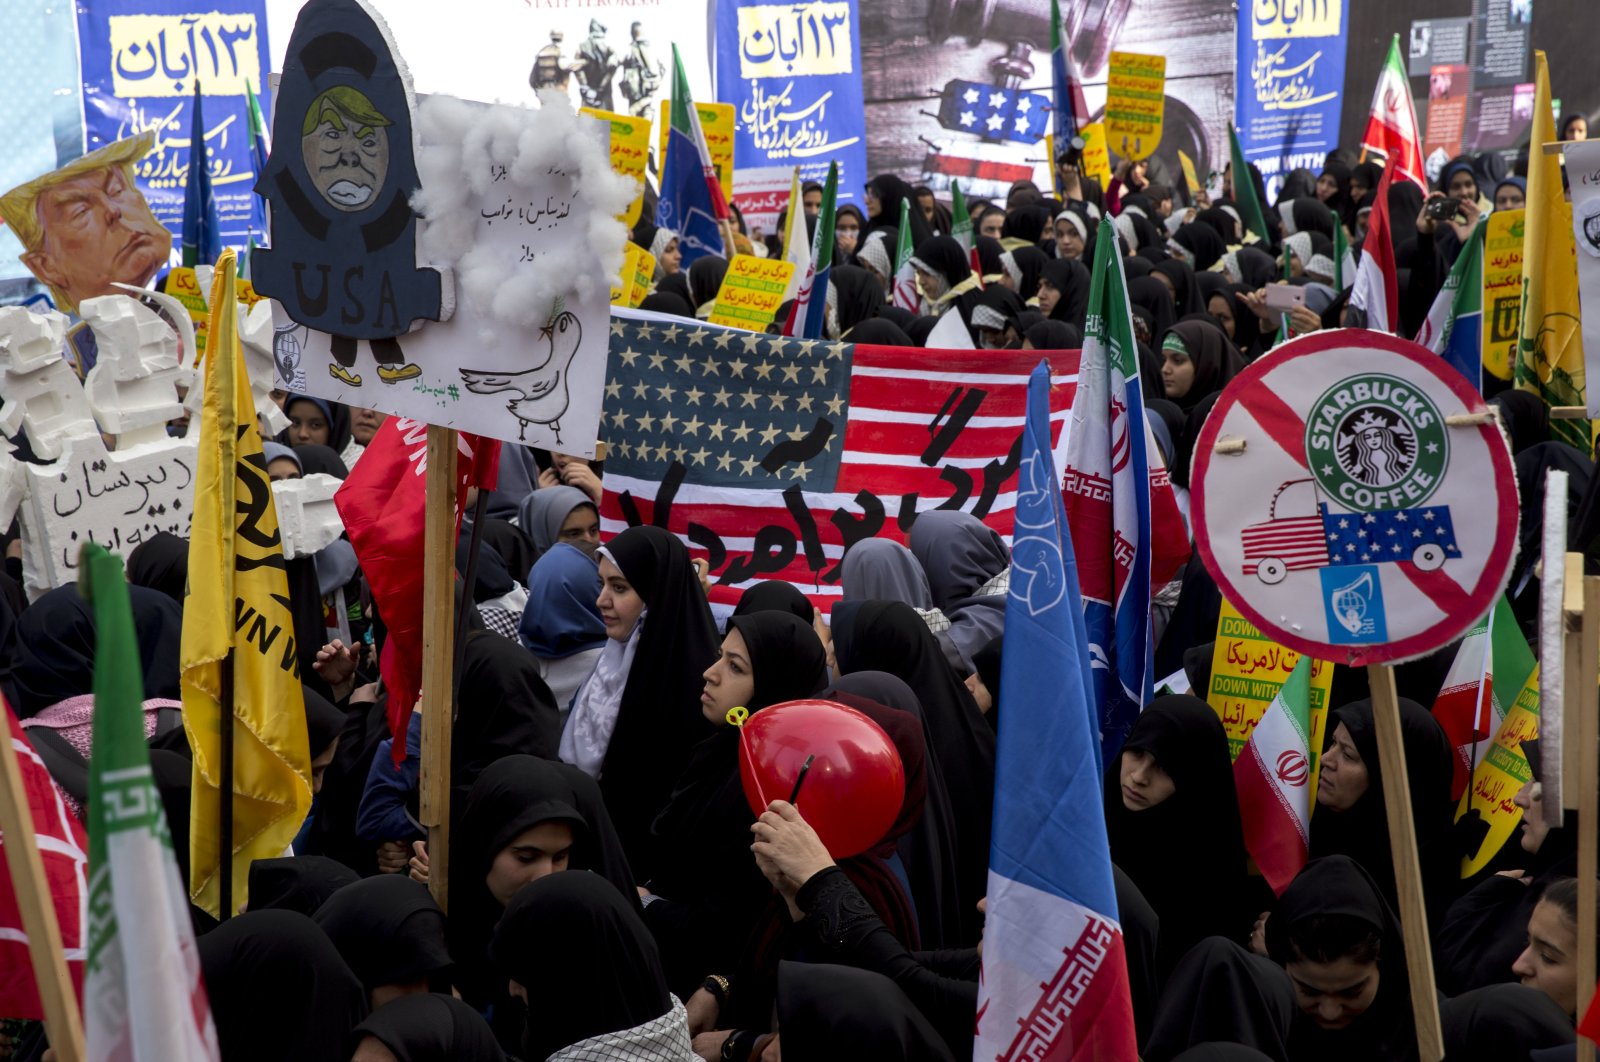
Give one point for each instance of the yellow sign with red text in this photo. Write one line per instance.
(751, 292)
(630, 149)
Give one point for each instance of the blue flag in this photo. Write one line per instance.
(691, 202)
(202, 229)
(1055, 977)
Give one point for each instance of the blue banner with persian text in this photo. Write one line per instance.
(1290, 74)
(793, 74)
(140, 60)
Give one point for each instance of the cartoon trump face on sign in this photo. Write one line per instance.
(345, 144)
(86, 227)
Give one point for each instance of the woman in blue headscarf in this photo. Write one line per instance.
(561, 625)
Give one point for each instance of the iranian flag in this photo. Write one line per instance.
(1377, 288)
(1273, 777)
(906, 295)
(1490, 669)
(961, 229)
(809, 312)
(796, 246)
(143, 994)
(1392, 122)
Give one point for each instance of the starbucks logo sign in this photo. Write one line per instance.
(1376, 442)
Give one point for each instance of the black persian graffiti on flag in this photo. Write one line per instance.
(770, 456)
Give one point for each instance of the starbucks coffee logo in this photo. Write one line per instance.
(1376, 442)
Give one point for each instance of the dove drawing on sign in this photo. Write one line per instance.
(540, 393)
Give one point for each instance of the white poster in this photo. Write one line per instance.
(1583, 178)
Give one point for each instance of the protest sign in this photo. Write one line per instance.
(1583, 179)
(630, 150)
(716, 121)
(792, 74)
(1503, 771)
(772, 455)
(140, 64)
(1191, 179)
(622, 290)
(644, 277)
(751, 292)
(1502, 291)
(1135, 103)
(1096, 158)
(1289, 77)
(184, 285)
(1361, 506)
(1247, 670)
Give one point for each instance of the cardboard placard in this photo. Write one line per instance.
(717, 123)
(1247, 670)
(1190, 177)
(751, 292)
(630, 150)
(1135, 103)
(1502, 291)
(184, 285)
(1502, 771)
(1096, 159)
(622, 290)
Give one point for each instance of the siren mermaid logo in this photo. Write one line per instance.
(1376, 442)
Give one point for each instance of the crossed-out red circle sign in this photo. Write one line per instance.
(1357, 523)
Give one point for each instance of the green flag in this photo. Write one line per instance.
(960, 219)
(902, 248)
(1244, 190)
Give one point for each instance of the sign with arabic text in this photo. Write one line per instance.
(1503, 770)
(1364, 510)
(1136, 103)
(1502, 291)
(140, 63)
(184, 285)
(1247, 670)
(716, 121)
(630, 149)
(1290, 73)
(1583, 178)
(751, 292)
(792, 72)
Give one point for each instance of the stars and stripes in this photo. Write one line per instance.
(994, 111)
(1388, 534)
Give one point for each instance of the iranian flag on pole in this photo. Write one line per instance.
(1491, 667)
(1392, 122)
(1273, 777)
(796, 247)
(906, 295)
(143, 995)
(1377, 288)
(961, 229)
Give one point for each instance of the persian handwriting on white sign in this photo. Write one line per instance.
(780, 40)
(530, 214)
(163, 55)
(1285, 89)
(92, 489)
(783, 133)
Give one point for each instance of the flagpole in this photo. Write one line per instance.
(438, 636)
(1584, 697)
(1407, 865)
(63, 1021)
(225, 789)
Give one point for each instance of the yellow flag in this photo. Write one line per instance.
(1550, 346)
(237, 608)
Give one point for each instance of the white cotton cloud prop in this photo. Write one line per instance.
(551, 149)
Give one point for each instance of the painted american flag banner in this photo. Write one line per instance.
(770, 456)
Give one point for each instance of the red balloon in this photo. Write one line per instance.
(855, 785)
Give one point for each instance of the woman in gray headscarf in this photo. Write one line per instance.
(967, 564)
(881, 569)
(559, 514)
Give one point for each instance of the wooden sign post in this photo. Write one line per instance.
(62, 1021)
(438, 636)
(1581, 707)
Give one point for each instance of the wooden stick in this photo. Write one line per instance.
(1587, 694)
(62, 1020)
(438, 636)
(1569, 412)
(1407, 866)
(1572, 698)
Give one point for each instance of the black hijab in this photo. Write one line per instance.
(920, 329)
(1502, 1022)
(1523, 415)
(1030, 262)
(1247, 336)
(1341, 204)
(589, 965)
(668, 302)
(889, 636)
(659, 720)
(1053, 335)
(891, 192)
(1339, 888)
(944, 256)
(989, 252)
(879, 332)
(278, 989)
(775, 595)
(1186, 298)
(1027, 223)
(429, 1028)
(839, 1014)
(316, 458)
(1221, 222)
(858, 295)
(705, 279)
(1152, 295)
(56, 647)
(1215, 359)
(1362, 831)
(338, 417)
(1203, 242)
(388, 930)
(324, 721)
(300, 883)
(1220, 992)
(1307, 214)
(503, 708)
(1070, 277)
(1197, 828)
(703, 834)
(161, 562)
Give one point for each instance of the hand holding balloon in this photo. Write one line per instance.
(788, 850)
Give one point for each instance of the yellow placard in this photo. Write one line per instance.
(1190, 178)
(1502, 772)
(1096, 159)
(622, 291)
(1502, 291)
(184, 285)
(1247, 670)
(163, 55)
(630, 148)
(1135, 103)
(795, 39)
(751, 292)
(644, 275)
(716, 122)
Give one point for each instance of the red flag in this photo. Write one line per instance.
(383, 506)
(1377, 290)
(63, 848)
(1392, 121)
